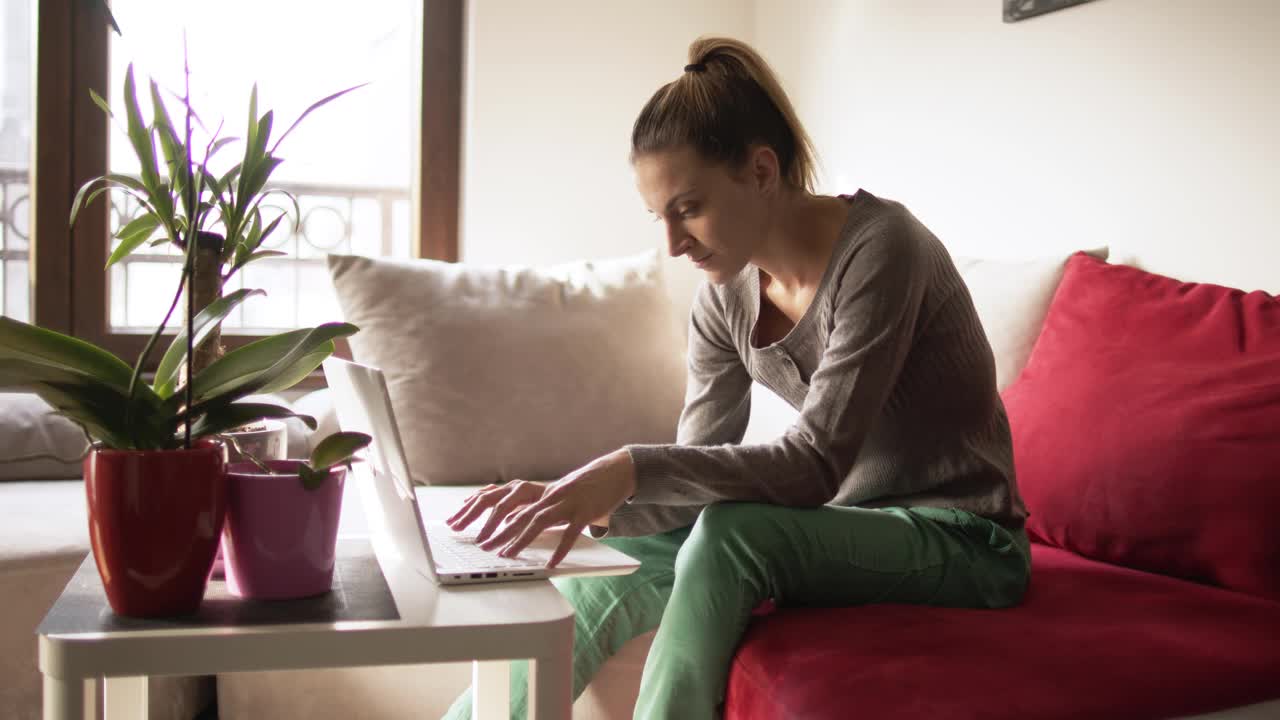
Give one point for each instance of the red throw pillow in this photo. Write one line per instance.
(1146, 426)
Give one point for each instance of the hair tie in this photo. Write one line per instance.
(696, 67)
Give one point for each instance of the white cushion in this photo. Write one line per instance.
(36, 444)
(1012, 298)
(497, 373)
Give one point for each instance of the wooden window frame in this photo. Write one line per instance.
(68, 276)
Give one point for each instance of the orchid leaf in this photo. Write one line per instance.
(235, 415)
(23, 341)
(258, 366)
(338, 448)
(311, 479)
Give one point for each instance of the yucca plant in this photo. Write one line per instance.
(227, 215)
(105, 395)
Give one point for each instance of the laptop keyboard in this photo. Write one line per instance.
(459, 551)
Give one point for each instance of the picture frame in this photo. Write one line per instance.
(1015, 10)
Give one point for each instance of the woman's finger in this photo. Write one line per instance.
(469, 501)
(537, 523)
(516, 522)
(481, 502)
(519, 495)
(566, 544)
(466, 504)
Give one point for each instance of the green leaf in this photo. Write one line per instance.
(311, 479)
(235, 415)
(143, 222)
(97, 405)
(175, 152)
(139, 135)
(111, 19)
(266, 233)
(298, 372)
(129, 185)
(78, 201)
(264, 132)
(167, 371)
(97, 100)
(255, 234)
(260, 364)
(297, 212)
(315, 105)
(218, 145)
(338, 448)
(22, 341)
(133, 235)
(250, 138)
(262, 255)
(254, 179)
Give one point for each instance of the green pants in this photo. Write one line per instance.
(698, 586)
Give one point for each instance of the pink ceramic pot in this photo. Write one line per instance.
(268, 441)
(279, 538)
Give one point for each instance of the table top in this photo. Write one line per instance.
(359, 592)
(428, 623)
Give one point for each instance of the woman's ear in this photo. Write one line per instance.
(763, 169)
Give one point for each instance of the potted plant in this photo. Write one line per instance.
(155, 477)
(230, 221)
(281, 533)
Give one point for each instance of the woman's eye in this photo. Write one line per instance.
(689, 212)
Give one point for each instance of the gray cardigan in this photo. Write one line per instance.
(889, 369)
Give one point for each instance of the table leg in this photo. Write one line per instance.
(551, 686)
(70, 698)
(126, 698)
(490, 690)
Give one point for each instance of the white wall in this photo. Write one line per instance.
(552, 91)
(1150, 125)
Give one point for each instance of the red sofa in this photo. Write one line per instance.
(1147, 442)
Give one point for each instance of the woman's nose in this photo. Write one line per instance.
(677, 239)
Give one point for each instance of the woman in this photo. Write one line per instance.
(896, 482)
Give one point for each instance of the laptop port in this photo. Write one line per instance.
(522, 574)
(489, 575)
(476, 575)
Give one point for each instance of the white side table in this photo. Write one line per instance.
(89, 660)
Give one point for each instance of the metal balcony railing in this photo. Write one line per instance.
(334, 219)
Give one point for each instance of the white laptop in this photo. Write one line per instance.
(447, 557)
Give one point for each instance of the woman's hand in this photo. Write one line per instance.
(504, 499)
(583, 496)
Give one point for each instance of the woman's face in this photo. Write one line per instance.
(710, 216)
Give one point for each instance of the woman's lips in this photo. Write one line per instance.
(701, 262)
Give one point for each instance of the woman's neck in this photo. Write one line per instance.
(798, 243)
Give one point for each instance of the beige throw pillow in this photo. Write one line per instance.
(498, 373)
(1012, 298)
(35, 442)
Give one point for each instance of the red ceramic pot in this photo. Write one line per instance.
(155, 517)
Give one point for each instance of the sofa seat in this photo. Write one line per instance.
(1090, 640)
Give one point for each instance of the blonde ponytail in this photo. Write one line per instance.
(727, 100)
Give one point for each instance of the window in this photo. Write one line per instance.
(349, 164)
(15, 159)
(375, 172)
